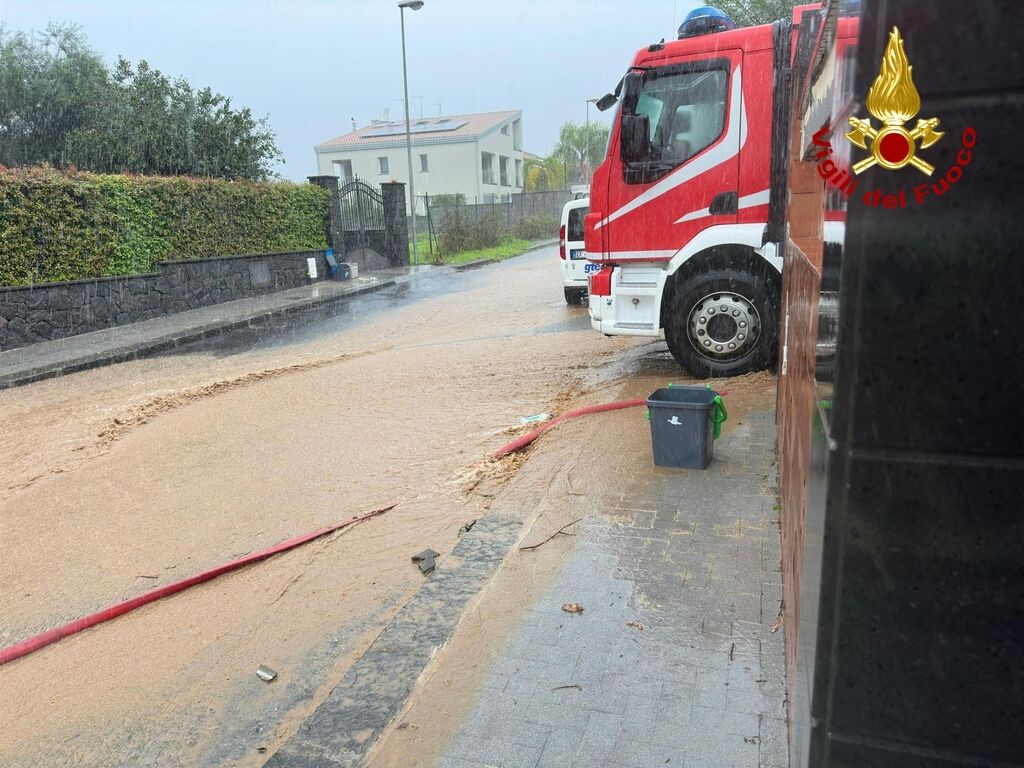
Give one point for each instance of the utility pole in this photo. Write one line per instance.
(413, 5)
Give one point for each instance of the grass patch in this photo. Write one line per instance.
(508, 248)
(423, 245)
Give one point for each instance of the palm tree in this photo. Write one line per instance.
(573, 147)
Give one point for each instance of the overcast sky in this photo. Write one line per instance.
(312, 65)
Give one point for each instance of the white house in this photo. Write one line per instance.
(479, 156)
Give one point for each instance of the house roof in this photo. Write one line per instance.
(455, 127)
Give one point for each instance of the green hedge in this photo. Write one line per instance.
(543, 226)
(68, 226)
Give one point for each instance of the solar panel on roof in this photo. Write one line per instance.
(395, 129)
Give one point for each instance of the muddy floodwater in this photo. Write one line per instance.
(121, 479)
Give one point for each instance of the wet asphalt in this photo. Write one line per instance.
(298, 328)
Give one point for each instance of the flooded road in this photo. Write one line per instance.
(124, 478)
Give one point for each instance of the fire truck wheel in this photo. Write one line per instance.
(722, 323)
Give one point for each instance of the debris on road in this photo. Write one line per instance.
(521, 442)
(563, 687)
(467, 527)
(777, 624)
(536, 418)
(265, 673)
(425, 560)
(572, 608)
(549, 538)
(634, 624)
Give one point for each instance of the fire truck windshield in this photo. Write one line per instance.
(686, 112)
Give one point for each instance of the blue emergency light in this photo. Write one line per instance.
(704, 21)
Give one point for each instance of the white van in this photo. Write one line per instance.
(575, 266)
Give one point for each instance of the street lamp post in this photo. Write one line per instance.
(412, 5)
(587, 160)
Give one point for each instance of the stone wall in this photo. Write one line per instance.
(30, 314)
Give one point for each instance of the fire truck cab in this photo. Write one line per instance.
(680, 215)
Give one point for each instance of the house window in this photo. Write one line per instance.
(423, 163)
(503, 167)
(517, 135)
(519, 173)
(504, 130)
(487, 165)
(343, 170)
(383, 166)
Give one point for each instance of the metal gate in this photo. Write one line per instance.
(362, 217)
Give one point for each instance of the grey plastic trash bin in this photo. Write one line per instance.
(682, 426)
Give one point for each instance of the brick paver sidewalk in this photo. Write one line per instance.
(692, 557)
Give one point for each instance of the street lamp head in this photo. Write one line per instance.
(412, 5)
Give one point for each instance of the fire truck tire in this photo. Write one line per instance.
(722, 323)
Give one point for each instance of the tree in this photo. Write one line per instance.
(749, 13)
(48, 84)
(59, 104)
(536, 180)
(573, 146)
(555, 172)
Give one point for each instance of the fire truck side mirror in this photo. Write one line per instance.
(631, 85)
(634, 138)
(606, 102)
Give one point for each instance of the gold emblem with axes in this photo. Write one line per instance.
(894, 100)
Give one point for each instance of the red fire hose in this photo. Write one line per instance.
(521, 442)
(529, 437)
(43, 639)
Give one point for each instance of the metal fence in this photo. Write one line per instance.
(505, 211)
(511, 210)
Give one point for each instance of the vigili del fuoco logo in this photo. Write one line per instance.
(894, 101)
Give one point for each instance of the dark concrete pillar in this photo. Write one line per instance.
(395, 223)
(334, 235)
(918, 615)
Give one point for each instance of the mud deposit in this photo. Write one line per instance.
(120, 479)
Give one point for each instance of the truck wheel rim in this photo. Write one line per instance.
(724, 325)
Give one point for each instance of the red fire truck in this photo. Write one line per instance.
(688, 209)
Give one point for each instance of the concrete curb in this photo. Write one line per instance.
(163, 343)
(342, 729)
(484, 262)
(476, 264)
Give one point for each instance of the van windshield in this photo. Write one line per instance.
(574, 228)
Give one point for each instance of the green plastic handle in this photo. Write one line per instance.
(718, 415)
